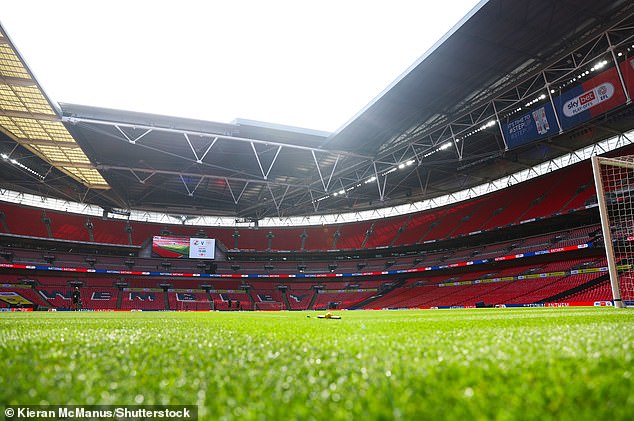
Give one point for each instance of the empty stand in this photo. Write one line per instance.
(21, 296)
(142, 300)
(385, 232)
(194, 300)
(340, 298)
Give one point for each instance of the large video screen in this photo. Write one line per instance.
(179, 247)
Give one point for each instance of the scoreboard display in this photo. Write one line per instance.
(184, 247)
(202, 248)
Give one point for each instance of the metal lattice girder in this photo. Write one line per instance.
(537, 82)
(76, 120)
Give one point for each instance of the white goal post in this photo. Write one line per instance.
(614, 181)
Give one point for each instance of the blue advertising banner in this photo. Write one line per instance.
(537, 124)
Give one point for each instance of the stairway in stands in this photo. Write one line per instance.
(562, 295)
(382, 291)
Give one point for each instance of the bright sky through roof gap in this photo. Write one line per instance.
(305, 64)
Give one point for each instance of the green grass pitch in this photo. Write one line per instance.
(184, 250)
(504, 364)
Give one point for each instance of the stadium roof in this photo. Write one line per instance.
(28, 118)
(433, 131)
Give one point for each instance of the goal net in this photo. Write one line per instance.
(614, 180)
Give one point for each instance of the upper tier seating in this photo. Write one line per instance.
(559, 191)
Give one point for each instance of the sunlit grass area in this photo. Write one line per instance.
(572, 363)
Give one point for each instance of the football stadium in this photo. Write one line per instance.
(461, 248)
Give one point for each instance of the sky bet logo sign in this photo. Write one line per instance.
(589, 99)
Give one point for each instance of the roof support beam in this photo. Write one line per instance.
(265, 175)
(455, 143)
(76, 120)
(190, 193)
(314, 202)
(207, 151)
(17, 81)
(321, 177)
(141, 180)
(323, 183)
(199, 160)
(178, 173)
(236, 200)
(146, 145)
(552, 102)
(343, 188)
(418, 160)
(378, 182)
(48, 142)
(33, 116)
(333, 171)
(128, 138)
(277, 204)
(499, 123)
(618, 69)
